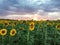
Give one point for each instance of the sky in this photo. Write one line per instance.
(30, 9)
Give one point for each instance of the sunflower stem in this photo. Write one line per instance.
(28, 38)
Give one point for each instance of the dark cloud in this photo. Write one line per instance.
(27, 6)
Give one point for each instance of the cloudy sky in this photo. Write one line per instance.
(30, 9)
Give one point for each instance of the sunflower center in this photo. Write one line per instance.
(31, 25)
(58, 26)
(13, 32)
(3, 32)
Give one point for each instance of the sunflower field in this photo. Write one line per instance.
(29, 32)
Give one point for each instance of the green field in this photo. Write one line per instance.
(29, 32)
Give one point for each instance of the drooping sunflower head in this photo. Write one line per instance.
(58, 26)
(31, 27)
(13, 32)
(3, 32)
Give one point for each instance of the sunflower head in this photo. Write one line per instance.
(3, 32)
(58, 26)
(14, 24)
(49, 24)
(13, 32)
(31, 27)
(6, 23)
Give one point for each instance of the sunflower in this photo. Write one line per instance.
(13, 32)
(0, 31)
(58, 26)
(31, 27)
(49, 24)
(13, 24)
(3, 32)
(6, 23)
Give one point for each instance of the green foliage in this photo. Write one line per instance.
(44, 33)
